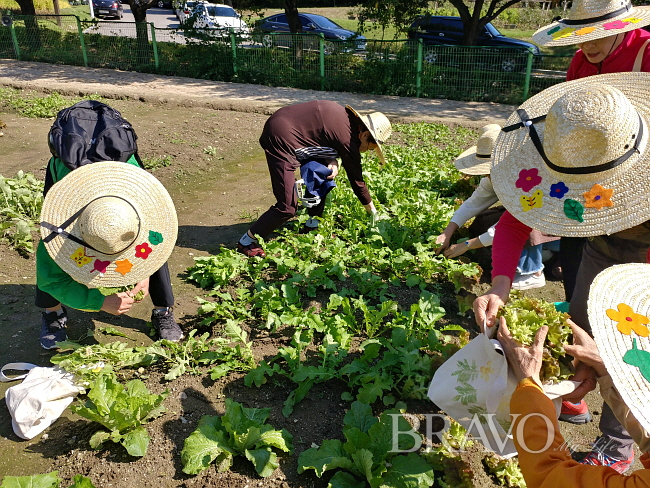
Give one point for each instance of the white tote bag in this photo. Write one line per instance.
(40, 399)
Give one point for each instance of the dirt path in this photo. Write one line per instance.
(189, 92)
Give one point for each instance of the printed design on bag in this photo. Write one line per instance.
(574, 210)
(628, 320)
(584, 31)
(155, 238)
(598, 197)
(536, 200)
(558, 190)
(123, 266)
(100, 266)
(80, 257)
(486, 371)
(617, 24)
(143, 250)
(481, 412)
(465, 373)
(528, 179)
(640, 359)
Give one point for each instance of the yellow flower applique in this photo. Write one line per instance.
(486, 371)
(628, 320)
(566, 32)
(533, 201)
(79, 257)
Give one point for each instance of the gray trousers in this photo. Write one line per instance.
(600, 253)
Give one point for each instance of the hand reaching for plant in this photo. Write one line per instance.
(444, 239)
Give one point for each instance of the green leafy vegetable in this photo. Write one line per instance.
(48, 480)
(524, 317)
(123, 410)
(21, 199)
(507, 471)
(240, 431)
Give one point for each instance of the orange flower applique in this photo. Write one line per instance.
(598, 197)
(584, 31)
(628, 320)
(79, 257)
(123, 266)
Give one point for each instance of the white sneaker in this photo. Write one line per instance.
(528, 282)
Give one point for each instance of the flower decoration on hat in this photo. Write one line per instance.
(528, 179)
(155, 238)
(143, 250)
(558, 190)
(617, 24)
(566, 32)
(628, 320)
(632, 20)
(535, 200)
(584, 31)
(100, 266)
(123, 266)
(574, 210)
(598, 197)
(79, 257)
(639, 358)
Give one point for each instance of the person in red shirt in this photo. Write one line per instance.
(610, 41)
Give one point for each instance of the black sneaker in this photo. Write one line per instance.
(165, 324)
(53, 328)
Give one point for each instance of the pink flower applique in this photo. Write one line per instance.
(617, 24)
(100, 266)
(528, 179)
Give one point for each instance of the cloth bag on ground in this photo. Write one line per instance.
(474, 387)
(40, 399)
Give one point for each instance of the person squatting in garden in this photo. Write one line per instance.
(477, 161)
(94, 235)
(573, 161)
(318, 130)
(621, 367)
(610, 41)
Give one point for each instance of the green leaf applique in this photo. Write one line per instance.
(155, 238)
(573, 209)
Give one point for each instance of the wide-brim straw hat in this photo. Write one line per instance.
(109, 224)
(380, 129)
(590, 175)
(619, 315)
(477, 160)
(593, 19)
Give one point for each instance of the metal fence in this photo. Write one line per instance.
(308, 61)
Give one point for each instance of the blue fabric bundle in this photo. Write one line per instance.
(315, 176)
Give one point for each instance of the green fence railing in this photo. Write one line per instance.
(308, 61)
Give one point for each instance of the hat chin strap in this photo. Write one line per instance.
(60, 230)
(529, 123)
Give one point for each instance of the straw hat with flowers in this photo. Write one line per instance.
(574, 159)
(379, 127)
(477, 160)
(109, 224)
(593, 19)
(619, 315)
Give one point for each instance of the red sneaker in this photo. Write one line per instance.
(575, 413)
(597, 458)
(252, 250)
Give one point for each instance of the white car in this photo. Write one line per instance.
(215, 16)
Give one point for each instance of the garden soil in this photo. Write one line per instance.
(218, 179)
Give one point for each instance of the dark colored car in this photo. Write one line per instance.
(108, 8)
(440, 30)
(164, 3)
(312, 24)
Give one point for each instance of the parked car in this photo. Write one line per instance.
(108, 8)
(164, 3)
(441, 30)
(217, 17)
(311, 24)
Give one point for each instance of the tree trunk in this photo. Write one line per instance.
(139, 10)
(295, 26)
(31, 25)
